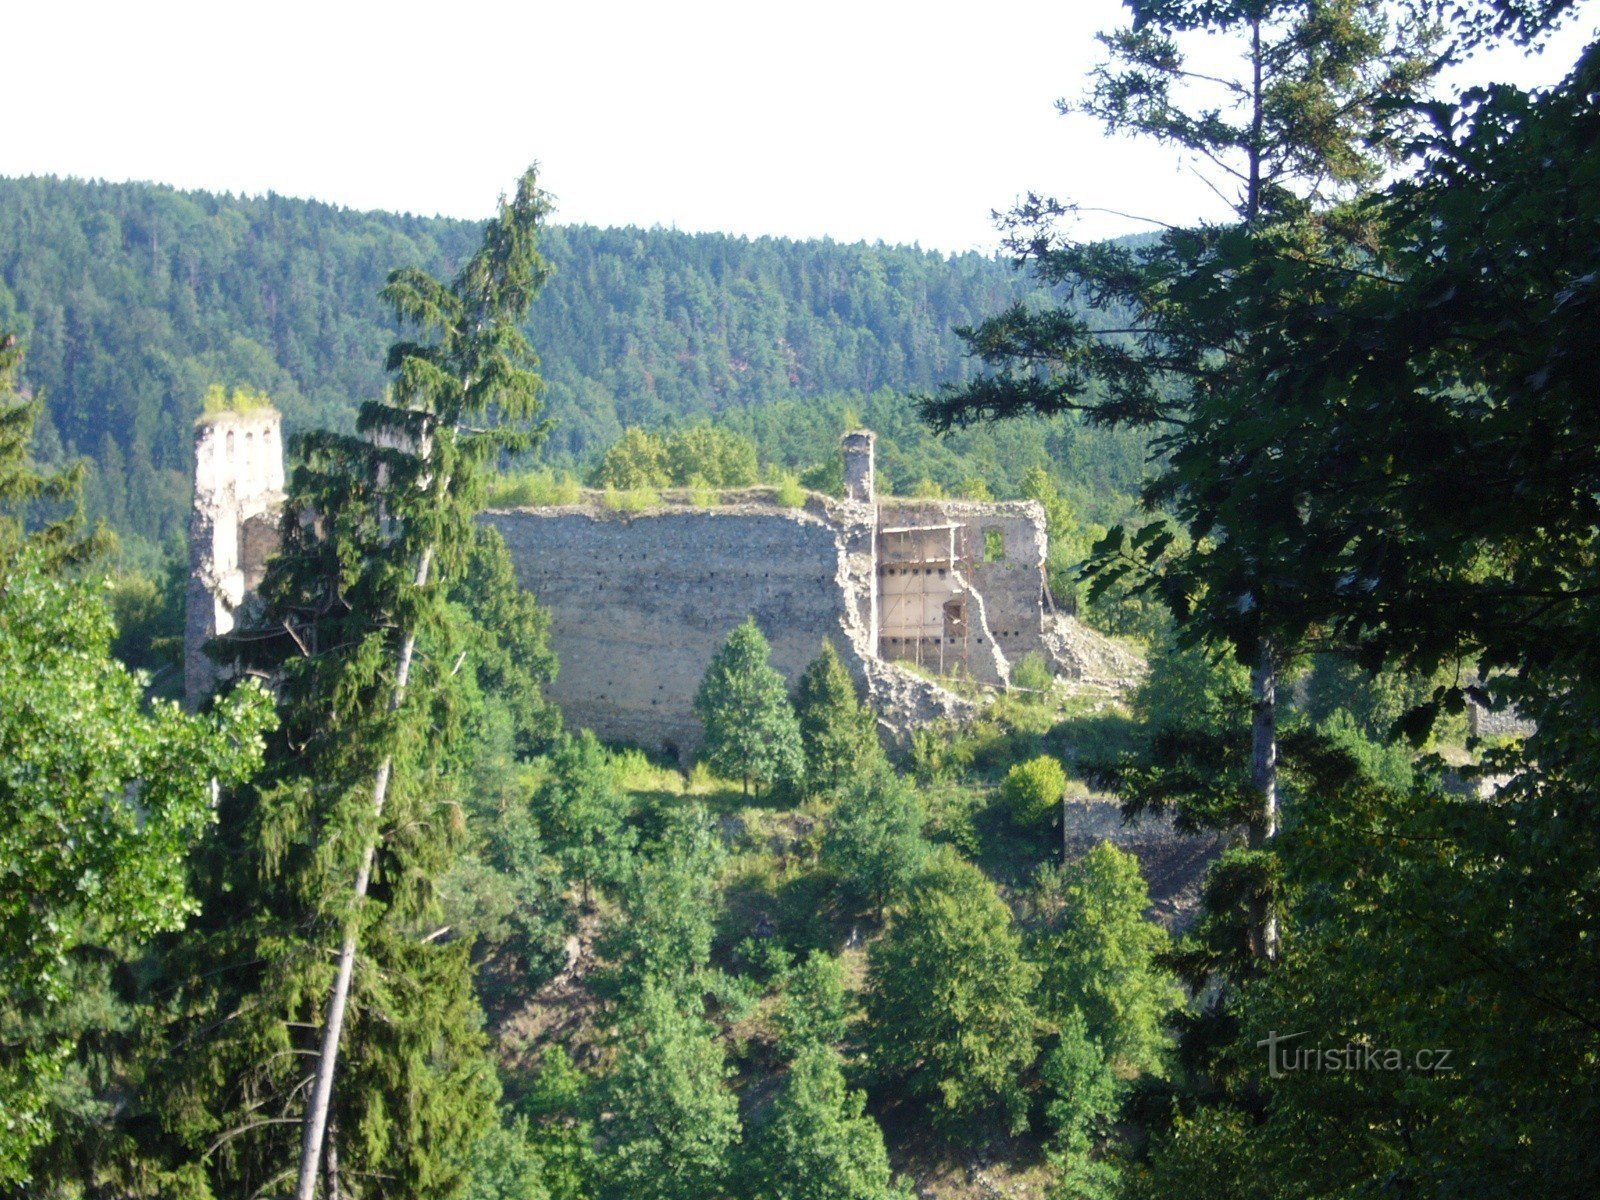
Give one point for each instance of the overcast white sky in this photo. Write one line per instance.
(877, 119)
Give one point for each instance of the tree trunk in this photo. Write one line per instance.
(333, 1190)
(1264, 778)
(317, 1103)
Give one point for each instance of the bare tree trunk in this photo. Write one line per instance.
(333, 1190)
(316, 1122)
(1264, 778)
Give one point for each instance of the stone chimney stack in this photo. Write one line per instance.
(233, 530)
(860, 475)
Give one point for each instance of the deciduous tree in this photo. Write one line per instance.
(750, 728)
(674, 1125)
(818, 1142)
(949, 1014)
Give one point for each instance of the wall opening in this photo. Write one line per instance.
(994, 544)
(258, 541)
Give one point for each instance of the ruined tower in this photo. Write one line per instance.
(233, 530)
(860, 473)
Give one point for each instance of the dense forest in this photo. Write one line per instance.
(376, 923)
(133, 300)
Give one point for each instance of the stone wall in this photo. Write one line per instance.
(1173, 864)
(1001, 552)
(233, 530)
(639, 604)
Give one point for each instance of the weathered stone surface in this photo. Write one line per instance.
(639, 602)
(233, 530)
(1088, 658)
(1174, 864)
(1497, 723)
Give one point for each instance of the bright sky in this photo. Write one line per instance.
(877, 119)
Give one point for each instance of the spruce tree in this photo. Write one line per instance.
(430, 444)
(1315, 115)
(323, 934)
(838, 732)
(750, 728)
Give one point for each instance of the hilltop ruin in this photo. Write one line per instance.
(910, 592)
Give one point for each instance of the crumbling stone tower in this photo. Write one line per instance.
(233, 530)
(860, 474)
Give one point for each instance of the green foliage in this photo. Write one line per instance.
(506, 1165)
(838, 731)
(751, 732)
(668, 895)
(818, 1143)
(1032, 790)
(1097, 955)
(702, 494)
(581, 810)
(149, 617)
(561, 1105)
(789, 493)
(1032, 672)
(1376, 702)
(815, 1006)
(717, 456)
(637, 500)
(874, 845)
(1083, 1098)
(949, 1017)
(1387, 764)
(24, 486)
(635, 463)
(674, 1124)
(338, 851)
(101, 799)
(534, 488)
(1192, 686)
(243, 400)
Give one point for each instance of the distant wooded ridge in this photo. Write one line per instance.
(133, 299)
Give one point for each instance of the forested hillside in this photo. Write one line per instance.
(132, 299)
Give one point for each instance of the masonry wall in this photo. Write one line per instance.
(640, 604)
(1012, 587)
(233, 530)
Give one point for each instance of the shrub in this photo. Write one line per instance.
(1032, 790)
(1033, 673)
(702, 494)
(790, 493)
(534, 488)
(637, 460)
(633, 500)
(720, 457)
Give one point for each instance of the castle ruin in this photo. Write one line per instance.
(909, 591)
(912, 593)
